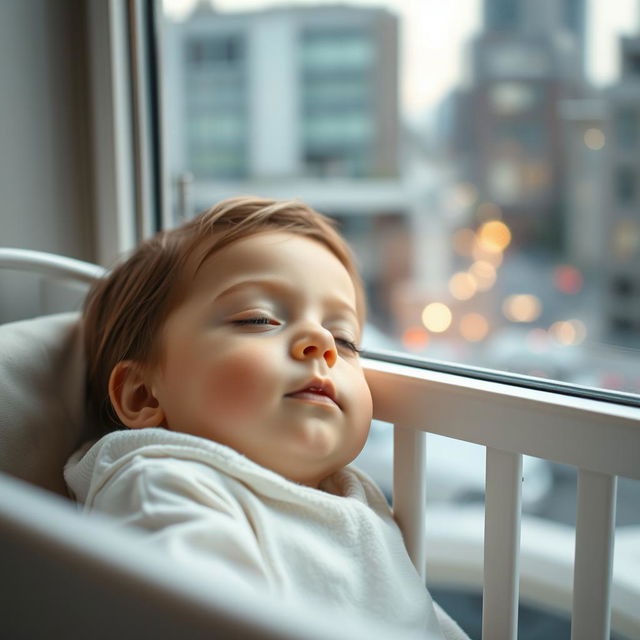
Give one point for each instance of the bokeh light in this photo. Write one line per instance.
(494, 236)
(569, 332)
(474, 327)
(462, 286)
(492, 257)
(626, 238)
(522, 308)
(594, 139)
(415, 338)
(567, 279)
(484, 273)
(437, 317)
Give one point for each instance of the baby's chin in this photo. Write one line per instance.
(309, 467)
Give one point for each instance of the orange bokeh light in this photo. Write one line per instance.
(474, 327)
(484, 255)
(568, 333)
(415, 338)
(484, 273)
(522, 308)
(494, 236)
(462, 286)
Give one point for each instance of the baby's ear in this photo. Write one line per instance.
(132, 398)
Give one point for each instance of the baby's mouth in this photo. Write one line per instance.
(318, 392)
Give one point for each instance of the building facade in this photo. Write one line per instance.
(303, 102)
(622, 237)
(528, 59)
(284, 92)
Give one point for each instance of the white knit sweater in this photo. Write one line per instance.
(205, 503)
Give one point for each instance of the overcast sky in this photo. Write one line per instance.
(434, 33)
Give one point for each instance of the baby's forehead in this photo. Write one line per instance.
(296, 256)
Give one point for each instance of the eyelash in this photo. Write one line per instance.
(348, 344)
(261, 320)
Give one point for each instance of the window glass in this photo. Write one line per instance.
(483, 160)
(335, 48)
(627, 127)
(625, 181)
(482, 157)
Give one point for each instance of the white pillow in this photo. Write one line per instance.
(42, 411)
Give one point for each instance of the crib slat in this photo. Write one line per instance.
(409, 491)
(595, 525)
(501, 544)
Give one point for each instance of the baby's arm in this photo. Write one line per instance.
(189, 515)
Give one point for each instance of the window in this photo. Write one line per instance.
(455, 161)
(470, 167)
(633, 65)
(626, 185)
(336, 49)
(204, 52)
(627, 128)
(485, 213)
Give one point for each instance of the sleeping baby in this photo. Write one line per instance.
(224, 374)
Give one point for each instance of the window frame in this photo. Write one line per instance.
(129, 180)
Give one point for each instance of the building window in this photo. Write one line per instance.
(633, 64)
(627, 127)
(337, 49)
(626, 184)
(214, 105)
(337, 86)
(623, 286)
(205, 51)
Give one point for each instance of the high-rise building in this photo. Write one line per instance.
(537, 16)
(527, 60)
(622, 237)
(284, 92)
(585, 123)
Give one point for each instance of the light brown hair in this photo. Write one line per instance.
(125, 311)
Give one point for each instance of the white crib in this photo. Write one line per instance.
(65, 570)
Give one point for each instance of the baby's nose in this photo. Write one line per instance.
(317, 343)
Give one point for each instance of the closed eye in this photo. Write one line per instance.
(255, 321)
(347, 344)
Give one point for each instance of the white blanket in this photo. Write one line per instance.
(206, 504)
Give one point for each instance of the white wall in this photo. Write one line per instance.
(45, 170)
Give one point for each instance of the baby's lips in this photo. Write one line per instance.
(315, 390)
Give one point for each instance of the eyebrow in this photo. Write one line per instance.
(278, 286)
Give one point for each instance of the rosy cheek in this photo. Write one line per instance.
(241, 383)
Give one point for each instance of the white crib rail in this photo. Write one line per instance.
(49, 264)
(409, 488)
(502, 544)
(594, 555)
(601, 439)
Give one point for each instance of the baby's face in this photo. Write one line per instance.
(259, 356)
